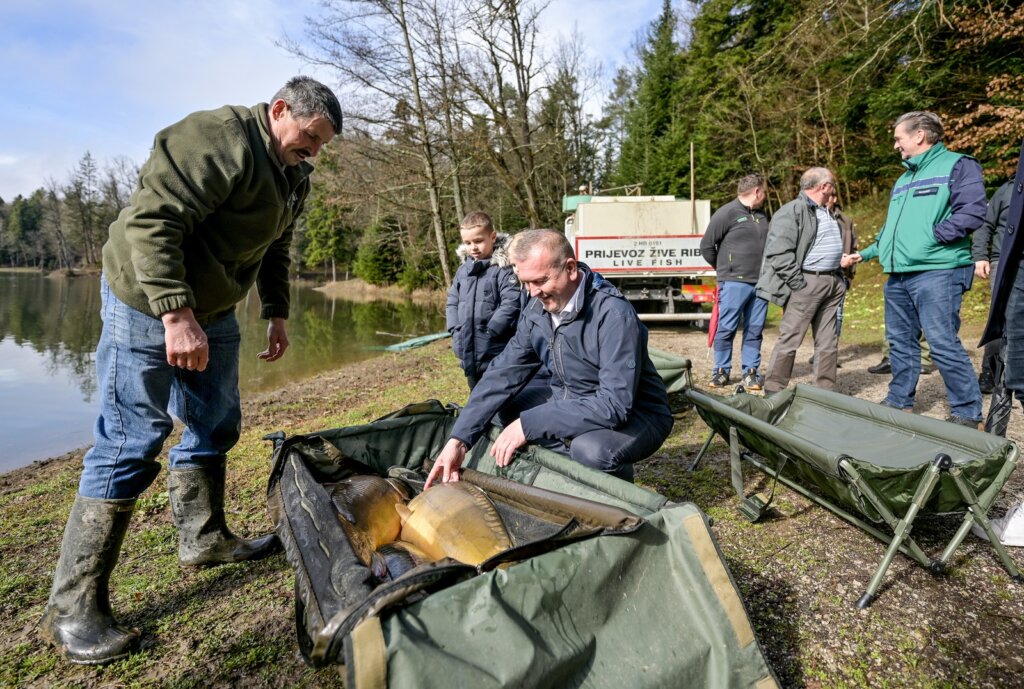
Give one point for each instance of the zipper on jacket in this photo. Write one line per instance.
(556, 356)
(903, 204)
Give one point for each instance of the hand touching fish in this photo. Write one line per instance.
(454, 453)
(448, 462)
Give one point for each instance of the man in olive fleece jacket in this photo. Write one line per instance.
(212, 215)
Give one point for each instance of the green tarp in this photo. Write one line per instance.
(651, 607)
(889, 448)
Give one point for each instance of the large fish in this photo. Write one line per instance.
(366, 508)
(455, 520)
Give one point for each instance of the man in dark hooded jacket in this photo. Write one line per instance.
(606, 406)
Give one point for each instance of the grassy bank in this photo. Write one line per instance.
(800, 571)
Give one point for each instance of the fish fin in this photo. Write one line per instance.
(378, 565)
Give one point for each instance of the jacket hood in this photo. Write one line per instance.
(499, 256)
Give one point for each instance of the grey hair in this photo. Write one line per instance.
(306, 98)
(815, 176)
(749, 183)
(926, 121)
(555, 242)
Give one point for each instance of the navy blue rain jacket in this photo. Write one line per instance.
(601, 374)
(483, 307)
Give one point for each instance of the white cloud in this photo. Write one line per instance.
(105, 75)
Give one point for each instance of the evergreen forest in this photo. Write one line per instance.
(460, 105)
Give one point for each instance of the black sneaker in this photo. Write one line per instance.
(986, 382)
(752, 380)
(719, 379)
(961, 421)
(882, 367)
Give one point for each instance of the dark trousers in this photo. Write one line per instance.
(611, 450)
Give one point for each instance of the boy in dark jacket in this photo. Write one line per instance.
(484, 299)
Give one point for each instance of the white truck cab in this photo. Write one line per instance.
(649, 247)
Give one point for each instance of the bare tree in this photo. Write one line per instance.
(501, 77)
(53, 222)
(376, 50)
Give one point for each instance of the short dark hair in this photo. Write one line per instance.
(926, 121)
(477, 219)
(306, 98)
(554, 241)
(749, 183)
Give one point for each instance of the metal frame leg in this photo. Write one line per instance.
(703, 451)
(924, 490)
(978, 512)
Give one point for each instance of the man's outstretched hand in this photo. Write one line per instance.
(277, 341)
(447, 463)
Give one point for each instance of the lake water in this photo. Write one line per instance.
(48, 334)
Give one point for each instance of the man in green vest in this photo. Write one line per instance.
(925, 248)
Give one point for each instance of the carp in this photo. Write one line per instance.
(455, 520)
(366, 509)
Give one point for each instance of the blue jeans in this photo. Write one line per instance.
(138, 392)
(611, 450)
(738, 300)
(930, 301)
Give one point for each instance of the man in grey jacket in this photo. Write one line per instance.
(606, 406)
(801, 273)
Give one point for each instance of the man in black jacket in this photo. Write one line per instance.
(985, 246)
(734, 245)
(1006, 315)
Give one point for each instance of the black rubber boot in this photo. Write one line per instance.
(998, 418)
(78, 619)
(197, 501)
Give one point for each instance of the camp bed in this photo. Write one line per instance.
(877, 467)
(607, 585)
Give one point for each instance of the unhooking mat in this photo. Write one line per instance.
(627, 590)
(862, 459)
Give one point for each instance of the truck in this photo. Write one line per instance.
(649, 247)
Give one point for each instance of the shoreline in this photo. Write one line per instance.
(360, 291)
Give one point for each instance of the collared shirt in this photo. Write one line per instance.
(827, 249)
(571, 307)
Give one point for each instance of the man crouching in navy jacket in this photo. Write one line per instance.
(606, 405)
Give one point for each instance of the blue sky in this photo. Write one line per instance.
(106, 75)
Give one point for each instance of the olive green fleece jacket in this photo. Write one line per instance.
(213, 213)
